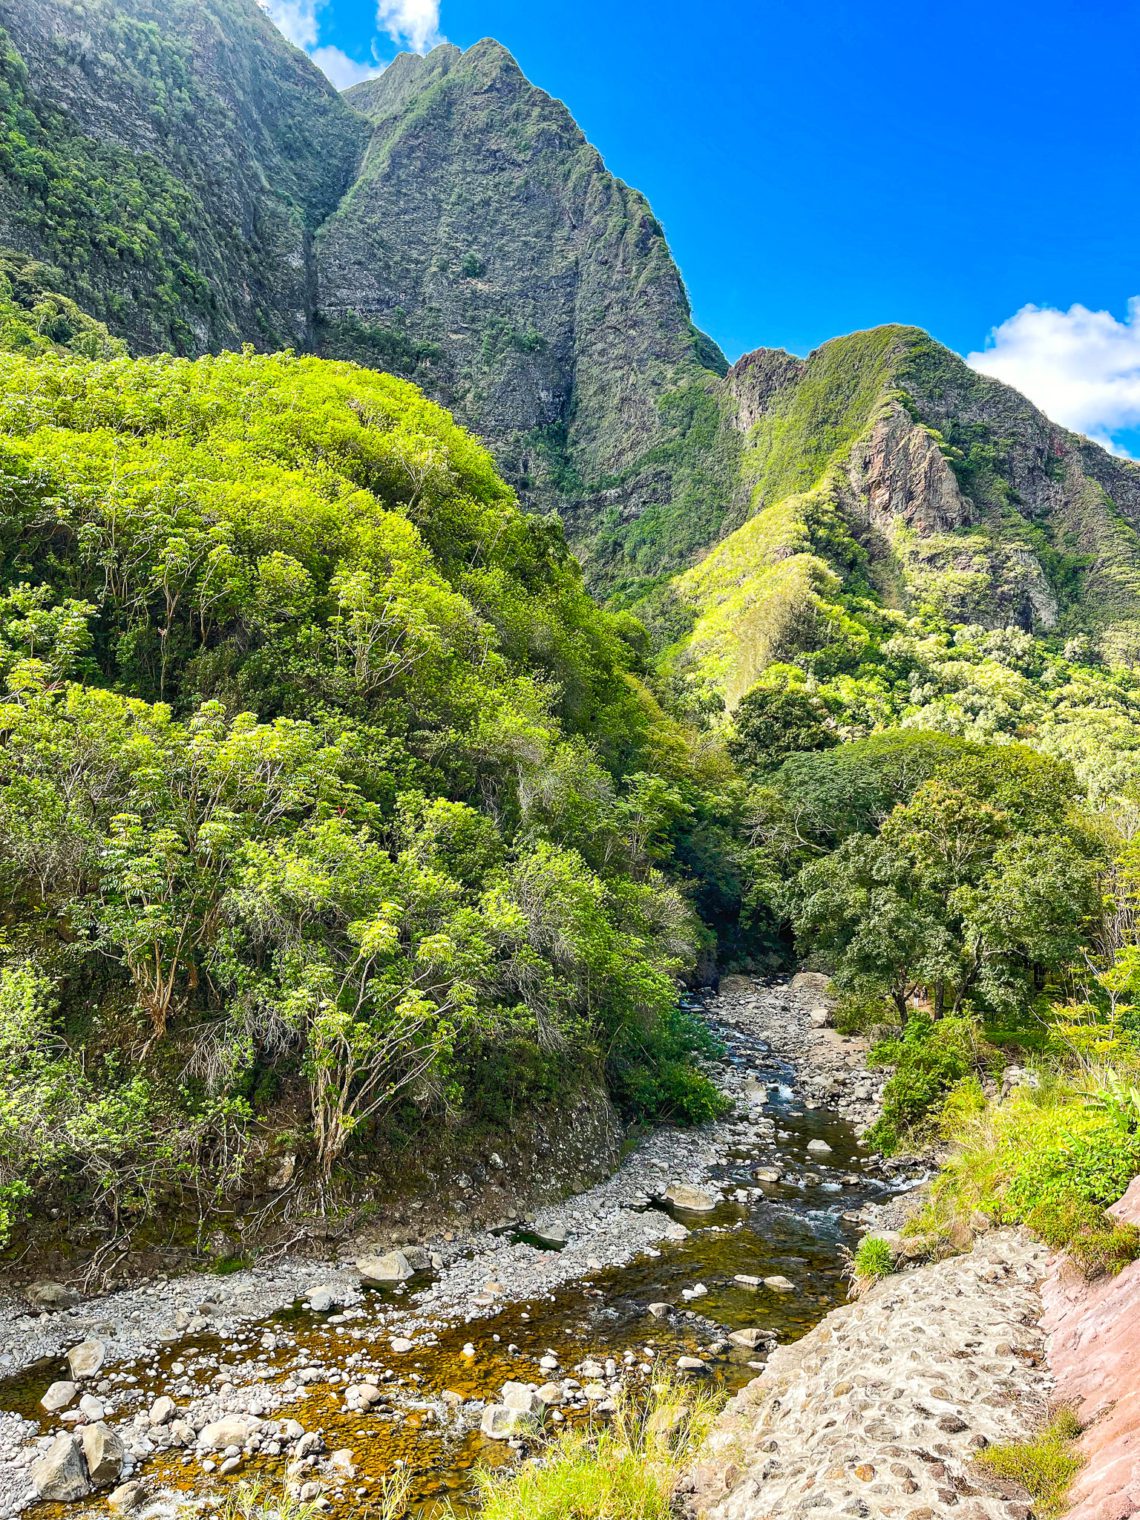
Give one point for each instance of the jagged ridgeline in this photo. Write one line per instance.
(888, 488)
(321, 773)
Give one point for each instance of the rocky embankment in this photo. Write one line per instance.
(193, 1378)
(882, 1407)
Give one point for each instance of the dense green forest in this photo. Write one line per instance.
(321, 772)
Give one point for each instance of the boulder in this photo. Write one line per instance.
(104, 1454)
(682, 1196)
(819, 1148)
(232, 1430)
(86, 1359)
(162, 1411)
(551, 1394)
(323, 1298)
(779, 1284)
(91, 1408)
(127, 1498)
(59, 1396)
(660, 1311)
(690, 1364)
(522, 1399)
(61, 1473)
(380, 1271)
(52, 1296)
(750, 1338)
(499, 1422)
(554, 1235)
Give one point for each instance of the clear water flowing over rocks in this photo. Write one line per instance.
(703, 1252)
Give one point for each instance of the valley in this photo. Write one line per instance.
(569, 910)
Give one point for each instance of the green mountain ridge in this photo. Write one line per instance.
(197, 184)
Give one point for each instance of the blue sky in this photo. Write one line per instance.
(829, 166)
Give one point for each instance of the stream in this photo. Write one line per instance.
(790, 1180)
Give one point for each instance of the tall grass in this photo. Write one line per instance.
(626, 1469)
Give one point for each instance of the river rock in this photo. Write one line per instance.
(522, 1399)
(86, 1359)
(232, 1430)
(52, 1296)
(750, 1338)
(660, 1311)
(692, 1199)
(779, 1284)
(127, 1498)
(162, 1411)
(104, 1454)
(379, 1271)
(91, 1408)
(691, 1364)
(554, 1235)
(60, 1474)
(500, 1423)
(819, 1147)
(401, 1345)
(322, 1298)
(551, 1394)
(364, 1394)
(59, 1396)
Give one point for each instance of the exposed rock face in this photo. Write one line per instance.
(485, 242)
(881, 1408)
(226, 147)
(1094, 1354)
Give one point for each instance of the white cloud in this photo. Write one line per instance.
(296, 18)
(410, 23)
(1081, 367)
(343, 70)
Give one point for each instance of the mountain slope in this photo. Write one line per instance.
(486, 249)
(173, 158)
(882, 473)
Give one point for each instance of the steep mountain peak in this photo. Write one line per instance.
(486, 251)
(405, 77)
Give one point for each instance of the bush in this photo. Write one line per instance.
(652, 1075)
(929, 1059)
(1045, 1466)
(864, 1013)
(1051, 1157)
(873, 1260)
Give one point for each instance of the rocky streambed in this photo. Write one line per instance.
(702, 1253)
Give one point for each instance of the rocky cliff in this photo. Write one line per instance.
(173, 158)
(198, 183)
(486, 251)
(882, 468)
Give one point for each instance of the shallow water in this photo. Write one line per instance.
(795, 1228)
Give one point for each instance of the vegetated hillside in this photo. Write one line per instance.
(485, 247)
(199, 184)
(328, 798)
(893, 489)
(173, 159)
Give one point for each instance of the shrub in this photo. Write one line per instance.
(1045, 1466)
(863, 1013)
(1051, 1157)
(652, 1075)
(873, 1259)
(929, 1059)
